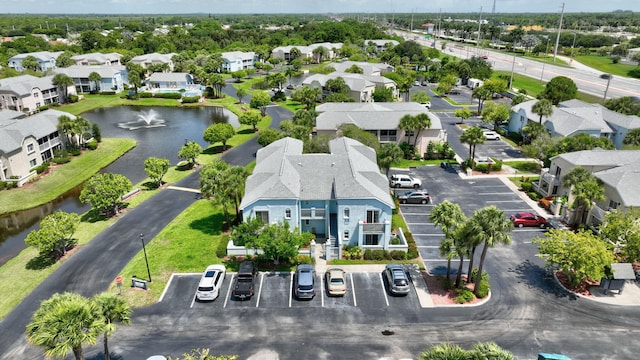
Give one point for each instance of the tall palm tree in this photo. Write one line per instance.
(114, 310)
(387, 155)
(408, 123)
(449, 217)
(492, 227)
(237, 176)
(63, 82)
(67, 127)
(65, 322)
(472, 136)
(289, 72)
(585, 189)
(81, 126)
(294, 53)
(217, 82)
(542, 107)
(422, 121)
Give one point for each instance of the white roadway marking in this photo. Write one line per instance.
(291, 287)
(194, 299)
(228, 291)
(386, 299)
(260, 290)
(353, 290)
(322, 289)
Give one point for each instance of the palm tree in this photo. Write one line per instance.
(294, 53)
(319, 53)
(114, 310)
(585, 188)
(63, 82)
(632, 137)
(482, 94)
(423, 121)
(217, 82)
(408, 123)
(95, 78)
(533, 130)
(472, 136)
(449, 217)
(387, 155)
(65, 322)
(82, 126)
(491, 227)
(444, 352)
(237, 176)
(542, 107)
(67, 127)
(289, 72)
(488, 350)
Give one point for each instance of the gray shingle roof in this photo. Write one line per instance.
(370, 116)
(600, 157)
(97, 58)
(283, 172)
(39, 55)
(83, 71)
(154, 58)
(163, 76)
(367, 68)
(625, 180)
(24, 84)
(14, 131)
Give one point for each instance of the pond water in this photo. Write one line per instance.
(159, 132)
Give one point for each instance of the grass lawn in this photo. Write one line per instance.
(605, 64)
(186, 245)
(64, 177)
(404, 163)
(529, 167)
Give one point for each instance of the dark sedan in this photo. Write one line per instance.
(415, 197)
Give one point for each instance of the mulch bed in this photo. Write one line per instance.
(439, 294)
(582, 288)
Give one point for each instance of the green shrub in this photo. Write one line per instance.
(61, 160)
(74, 152)
(526, 186)
(398, 255)
(92, 145)
(302, 259)
(279, 96)
(352, 252)
(483, 288)
(169, 95)
(145, 94)
(221, 248)
(107, 93)
(534, 195)
(463, 295)
(43, 108)
(41, 168)
(190, 99)
(73, 98)
(447, 283)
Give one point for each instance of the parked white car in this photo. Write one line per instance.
(491, 135)
(211, 282)
(405, 181)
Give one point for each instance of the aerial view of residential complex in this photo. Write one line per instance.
(304, 180)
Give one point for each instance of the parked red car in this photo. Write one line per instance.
(528, 219)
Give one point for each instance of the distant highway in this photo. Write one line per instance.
(588, 80)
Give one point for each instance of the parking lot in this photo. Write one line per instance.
(275, 290)
(471, 194)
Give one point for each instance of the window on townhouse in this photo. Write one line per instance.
(346, 235)
(33, 163)
(287, 213)
(558, 170)
(373, 216)
(371, 239)
(346, 213)
(554, 191)
(263, 215)
(30, 149)
(613, 204)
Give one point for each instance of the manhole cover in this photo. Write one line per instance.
(387, 332)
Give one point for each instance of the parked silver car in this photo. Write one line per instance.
(396, 279)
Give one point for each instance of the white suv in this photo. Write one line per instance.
(491, 135)
(406, 181)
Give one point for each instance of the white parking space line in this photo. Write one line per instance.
(386, 299)
(322, 289)
(353, 290)
(164, 292)
(194, 299)
(291, 290)
(228, 291)
(260, 290)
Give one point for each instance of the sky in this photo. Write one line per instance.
(306, 6)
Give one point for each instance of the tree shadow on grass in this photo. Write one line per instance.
(92, 216)
(210, 225)
(246, 131)
(41, 262)
(212, 150)
(150, 185)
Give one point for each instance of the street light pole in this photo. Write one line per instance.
(546, 53)
(144, 249)
(608, 77)
(513, 64)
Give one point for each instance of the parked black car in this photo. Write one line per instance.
(243, 286)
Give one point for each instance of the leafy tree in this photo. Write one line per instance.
(449, 217)
(472, 136)
(104, 191)
(279, 243)
(518, 99)
(632, 138)
(260, 100)
(306, 95)
(251, 118)
(319, 54)
(559, 89)
(190, 151)
(96, 79)
(482, 94)
(238, 75)
(444, 352)
(364, 137)
(480, 68)
(387, 155)
(55, 234)
(156, 169)
(496, 114)
(114, 310)
(496, 86)
(463, 113)
(533, 130)
(240, 93)
(135, 79)
(268, 135)
(420, 97)
(296, 131)
(383, 94)
(96, 133)
(580, 255)
(624, 105)
(354, 69)
(317, 145)
(488, 351)
(276, 80)
(490, 226)
(30, 63)
(65, 322)
(295, 53)
(64, 60)
(220, 132)
(63, 82)
(621, 231)
(585, 188)
(542, 107)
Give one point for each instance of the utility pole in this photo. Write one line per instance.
(412, 20)
(555, 50)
